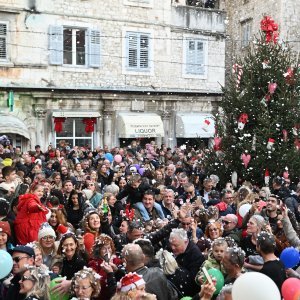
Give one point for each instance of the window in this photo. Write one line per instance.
(3, 41)
(246, 32)
(74, 133)
(194, 57)
(140, 3)
(138, 51)
(74, 46)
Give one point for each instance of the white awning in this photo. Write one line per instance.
(12, 124)
(76, 114)
(134, 125)
(194, 125)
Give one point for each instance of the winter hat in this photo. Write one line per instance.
(130, 282)
(46, 230)
(62, 229)
(87, 193)
(5, 228)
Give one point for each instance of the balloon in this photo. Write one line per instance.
(244, 209)
(6, 264)
(217, 275)
(118, 158)
(255, 286)
(109, 157)
(141, 171)
(290, 257)
(291, 289)
(186, 298)
(54, 296)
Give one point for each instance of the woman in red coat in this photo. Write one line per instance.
(30, 216)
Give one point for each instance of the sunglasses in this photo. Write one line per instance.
(23, 278)
(213, 229)
(185, 224)
(19, 258)
(226, 222)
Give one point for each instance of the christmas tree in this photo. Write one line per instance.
(258, 123)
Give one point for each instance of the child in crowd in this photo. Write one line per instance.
(214, 260)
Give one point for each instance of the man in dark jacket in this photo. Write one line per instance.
(156, 281)
(188, 257)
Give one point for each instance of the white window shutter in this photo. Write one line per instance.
(132, 50)
(94, 48)
(144, 51)
(3, 41)
(199, 59)
(56, 45)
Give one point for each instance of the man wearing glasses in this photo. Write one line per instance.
(22, 256)
(230, 227)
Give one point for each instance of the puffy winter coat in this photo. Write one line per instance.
(29, 218)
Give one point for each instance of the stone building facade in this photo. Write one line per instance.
(97, 72)
(243, 23)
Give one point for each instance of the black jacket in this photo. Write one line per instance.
(70, 267)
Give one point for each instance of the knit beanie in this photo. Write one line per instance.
(46, 230)
(88, 193)
(130, 282)
(5, 228)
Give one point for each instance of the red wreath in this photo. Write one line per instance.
(89, 124)
(58, 127)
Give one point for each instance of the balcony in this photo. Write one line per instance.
(197, 17)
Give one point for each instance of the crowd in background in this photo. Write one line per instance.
(137, 223)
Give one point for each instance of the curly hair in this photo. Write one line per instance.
(93, 277)
(217, 224)
(102, 240)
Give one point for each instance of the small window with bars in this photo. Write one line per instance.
(3, 41)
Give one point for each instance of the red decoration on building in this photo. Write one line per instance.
(58, 127)
(89, 124)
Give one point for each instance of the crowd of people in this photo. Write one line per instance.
(136, 223)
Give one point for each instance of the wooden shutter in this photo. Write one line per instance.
(144, 51)
(132, 50)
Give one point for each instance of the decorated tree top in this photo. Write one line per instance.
(258, 127)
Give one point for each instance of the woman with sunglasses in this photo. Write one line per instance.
(31, 215)
(213, 231)
(34, 284)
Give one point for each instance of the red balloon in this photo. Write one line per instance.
(290, 289)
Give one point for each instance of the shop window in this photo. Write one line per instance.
(138, 51)
(74, 46)
(74, 133)
(3, 41)
(246, 28)
(195, 57)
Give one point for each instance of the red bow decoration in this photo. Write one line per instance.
(268, 25)
(59, 124)
(129, 212)
(89, 124)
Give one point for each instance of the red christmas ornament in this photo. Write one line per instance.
(89, 124)
(218, 141)
(297, 144)
(289, 76)
(246, 159)
(267, 177)
(243, 119)
(58, 127)
(272, 87)
(284, 135)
